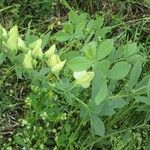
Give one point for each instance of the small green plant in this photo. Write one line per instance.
(83, 69)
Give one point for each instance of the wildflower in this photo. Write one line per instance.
(27, 62)
(83, 78)
(50, 51)
(13, 39)
(55, 63)
(36, 48)
(21, 44)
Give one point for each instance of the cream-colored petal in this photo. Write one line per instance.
(58, 66)
(50, 51)
(79, 74)
(21, 44)
(27, 62)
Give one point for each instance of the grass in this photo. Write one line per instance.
(37, 116)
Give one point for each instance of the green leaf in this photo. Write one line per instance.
(148, 89)
(135, 74)
(62, 36)
(101, 95)
(142, 85)
(104, 66)
(79, 63)
(73, 17)
(45, 40)
(130, 49)
(19, 140)
(68, 27)
(18, 71)
(97, 125)
(99, 91)
(143, 99)
(105, 48)
(117, 103)
(90, 50)
(119, 70)
(98, 23)
(102, 32)
(107, 110)
(2, 58)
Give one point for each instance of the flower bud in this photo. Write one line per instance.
(27, 62)
(58, 66)
(36, 48)
(13, 39)
(53, 60)
(21, 44)
(50, 51)
(36, 44)
(55, 63)
(83, 78)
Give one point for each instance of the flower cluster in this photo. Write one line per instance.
(33, 52)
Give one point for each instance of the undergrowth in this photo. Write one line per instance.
(75, 81)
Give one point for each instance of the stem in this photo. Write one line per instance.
(74, 136)
(115, 133)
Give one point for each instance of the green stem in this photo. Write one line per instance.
(115, 133)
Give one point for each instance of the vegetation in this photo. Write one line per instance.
(75, 75)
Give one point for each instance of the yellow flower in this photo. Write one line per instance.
(83, 78)
(21, 44)
(36, 48)
(50, 51)
(58, 66)
(55, 63)
(53, 60)
(13, 39)
(27, 62)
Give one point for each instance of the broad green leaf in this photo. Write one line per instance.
(95, 109)
(101, 33)
(101, 95)
(70, 55)
(130, 49)
(89, 26)
(97, 125)
(133, 58)
(31, 39)
(104, 66)
(117, 103)
(98, 23)
(2, 58)
(119, 70)
(68, 27)
(79, 31)
(73, 17)
(107, 110)
(105, 48)
(45, 40)
(79, 63)
(142, 85)
(99, 91)
(18, 71)
(135, 74)
(90, 50)
(143, 99)
(62, 36)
